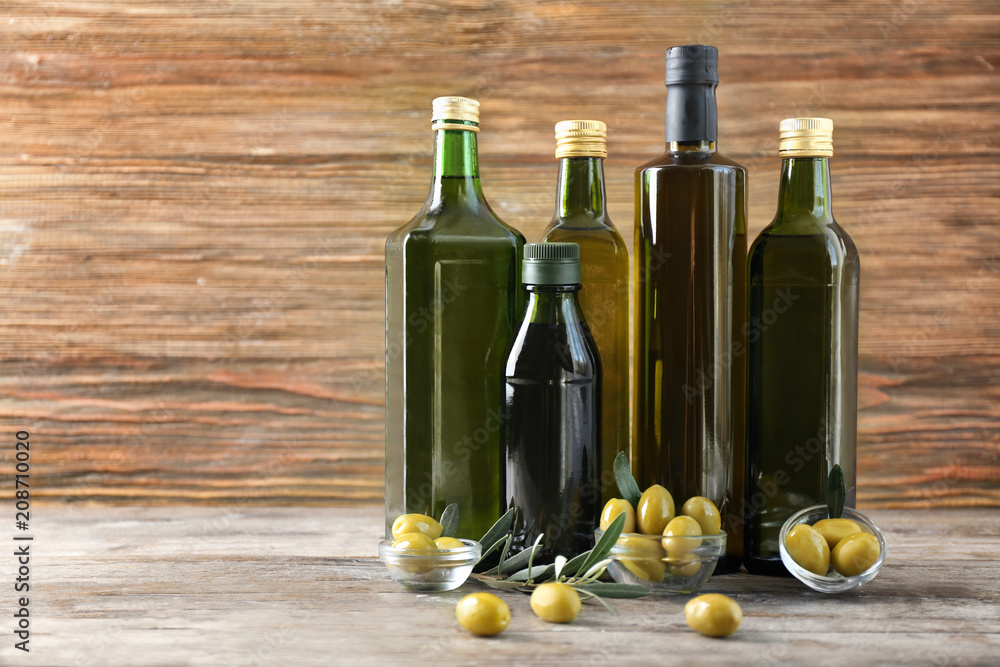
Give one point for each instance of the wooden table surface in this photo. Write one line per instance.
(303, 586)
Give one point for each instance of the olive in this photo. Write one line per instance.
(615, 507)
(808, 548)
(834, 530)
(555, 602)
(647, 569)
(704, 511)
(483, 614)
(656, 509)
(680, 547)
(855, 554)
(416, 523)
(713, 615)
(449, 543)
(414, 542)
(642, 556)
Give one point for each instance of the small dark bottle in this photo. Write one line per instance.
(552, 411)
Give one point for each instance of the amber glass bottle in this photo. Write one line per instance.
(581, 217)
(452, 298)
(802, 339)
(690, 254)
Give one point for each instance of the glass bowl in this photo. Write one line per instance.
(665, 564)
(832, 581)
(430, 570)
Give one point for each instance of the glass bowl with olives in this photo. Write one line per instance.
(831, 555)
(679, 563)
(422, 565)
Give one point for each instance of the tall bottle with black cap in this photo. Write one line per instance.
(690, 258)
(552, 410)
(802, 403)
(581, 217)
(452, 298)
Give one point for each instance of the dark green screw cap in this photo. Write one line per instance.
(551, 264)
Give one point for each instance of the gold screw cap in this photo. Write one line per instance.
(806, 137)
(454, 109)
(581, 138)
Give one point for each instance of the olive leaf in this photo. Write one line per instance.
(494, 538)
(449, 520)
(517, 562)
(603, 546)
(836, 490)
(531, 573)
(501, 584)
(627, 486)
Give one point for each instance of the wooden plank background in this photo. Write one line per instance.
(194, 198)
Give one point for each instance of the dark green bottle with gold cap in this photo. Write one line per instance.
(802, 342)
(552, 410)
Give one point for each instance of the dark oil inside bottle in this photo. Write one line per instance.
(552, 427)
(802, 409)
(690, 355)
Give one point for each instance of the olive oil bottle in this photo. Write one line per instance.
(802, 341)
(690, 254)
(452, 298)
(581, 217)
(552, 410)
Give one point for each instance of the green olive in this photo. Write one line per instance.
(642, 556)
(656, 509)
(680, 547)
(414, 542)
(855, 554)
(615, 507)
(834, 530)
(704, 511)
(647, 569)
(416, 523)
(808, 548)
(483, 614)
(713, 615)
(449, 543)
(555, 602)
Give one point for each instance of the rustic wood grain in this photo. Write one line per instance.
(133, 587)
(194, 199)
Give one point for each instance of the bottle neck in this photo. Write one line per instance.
(552, 304)
(805, 190)
(692, 114)
(581, 188)
(456, 168)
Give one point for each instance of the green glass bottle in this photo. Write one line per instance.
(802, 340)
(581, 217)
(690, 286)
(452, 298)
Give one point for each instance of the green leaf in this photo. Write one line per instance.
(449, 520)
(572, 566)
(499, 529)
(836, 491)
(531, 573)
(604, 545)
(501, 584)
(493, 539)
(609, 590)
(627, 486)
(516, 562)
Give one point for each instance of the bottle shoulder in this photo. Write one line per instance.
(688, 161)
(451, 225)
